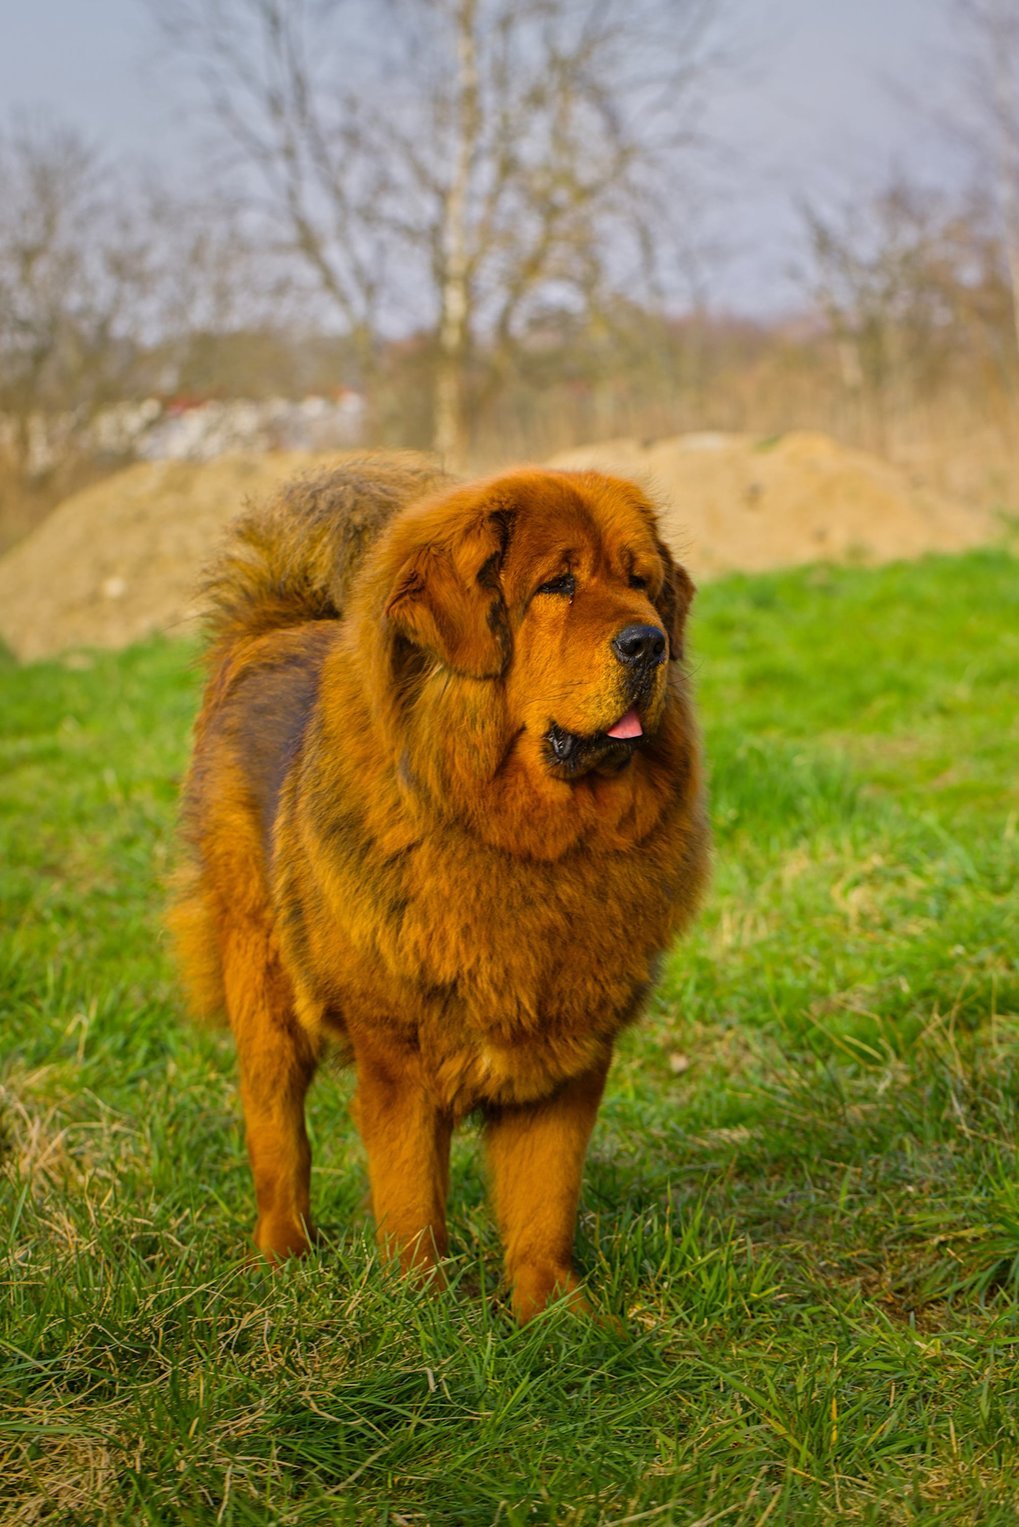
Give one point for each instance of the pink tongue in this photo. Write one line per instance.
(628, 726)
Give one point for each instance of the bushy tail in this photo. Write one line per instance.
(294, 558)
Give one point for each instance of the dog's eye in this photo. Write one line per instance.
(637, 583)
(564, 584)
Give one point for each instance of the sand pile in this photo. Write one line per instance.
(737, 503)
(121, 559)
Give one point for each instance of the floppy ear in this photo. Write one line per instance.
(447, 600)
(675, 598)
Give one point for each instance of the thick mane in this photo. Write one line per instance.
(295, 558)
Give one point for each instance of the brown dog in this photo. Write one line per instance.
(445, 810)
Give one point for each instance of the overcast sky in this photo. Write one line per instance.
(811, 110)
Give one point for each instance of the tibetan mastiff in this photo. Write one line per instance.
(445, 811)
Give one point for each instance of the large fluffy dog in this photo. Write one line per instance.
(445, 809)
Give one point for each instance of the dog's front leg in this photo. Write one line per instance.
(407, 1138)
(536, 1156)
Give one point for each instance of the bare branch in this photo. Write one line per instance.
(467, 162)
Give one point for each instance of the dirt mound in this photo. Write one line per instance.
(120, 560)
(739, 503)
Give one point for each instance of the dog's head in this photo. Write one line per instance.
(539, 614)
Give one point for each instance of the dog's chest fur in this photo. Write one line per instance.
(521, 978)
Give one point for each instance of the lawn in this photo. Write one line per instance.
(803, 1192)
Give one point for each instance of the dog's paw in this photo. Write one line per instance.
(535, 1287)
(278, 1239)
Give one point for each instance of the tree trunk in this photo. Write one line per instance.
(451, 435)
(1004, 44)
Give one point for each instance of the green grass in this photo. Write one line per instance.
(802, 1196)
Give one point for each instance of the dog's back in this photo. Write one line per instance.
(273, 596)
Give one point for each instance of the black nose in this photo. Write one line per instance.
(641, 646)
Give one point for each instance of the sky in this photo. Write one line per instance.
(814, 107)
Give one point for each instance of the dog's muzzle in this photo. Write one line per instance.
(640, 647)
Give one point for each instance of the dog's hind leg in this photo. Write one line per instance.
(277, 1062)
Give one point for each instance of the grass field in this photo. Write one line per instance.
(802, 1196)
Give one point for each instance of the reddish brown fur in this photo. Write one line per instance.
(385, 857)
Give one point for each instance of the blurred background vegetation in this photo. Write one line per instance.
(475, 225)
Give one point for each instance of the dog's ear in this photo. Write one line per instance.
(675, 598)
(447, 599)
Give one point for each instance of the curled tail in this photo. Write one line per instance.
(294, 558)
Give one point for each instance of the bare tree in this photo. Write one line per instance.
(871, 279)
(72, 276)
(990, 64)
(456, 163)
(915, 292)
(98, 265)
(296, 131)
(207, 280)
